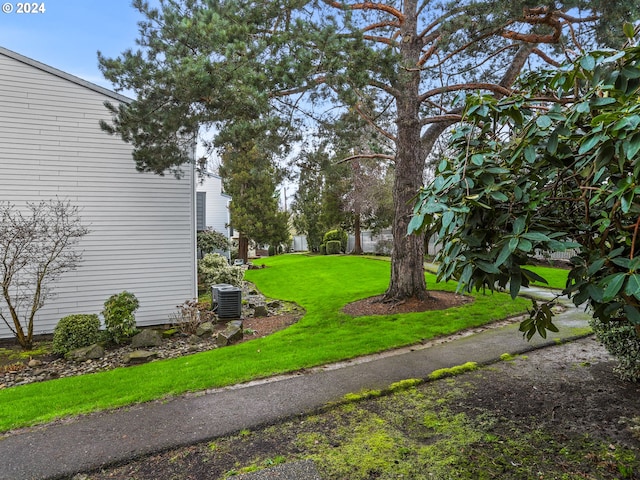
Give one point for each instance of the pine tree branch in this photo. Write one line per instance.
(375, 26)
(384, 40)
(359, 156)
(546, 57)
(367, 118)
(436, 129)
(380, 7)
(496, 88)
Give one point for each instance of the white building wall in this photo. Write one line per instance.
(142, 235)
(216, 204)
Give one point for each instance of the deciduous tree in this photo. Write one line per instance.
(37, 246)
(307, 203)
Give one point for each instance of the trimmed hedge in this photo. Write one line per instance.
(76, 331)
(339, 235)
(333, 247)
(323, 249)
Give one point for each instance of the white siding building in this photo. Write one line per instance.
(142, 230)
(213, 205)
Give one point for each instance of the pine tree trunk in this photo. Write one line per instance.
(357, 245)
(407, 257)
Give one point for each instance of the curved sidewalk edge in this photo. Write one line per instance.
(90, 442)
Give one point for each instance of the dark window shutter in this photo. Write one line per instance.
(201, 219)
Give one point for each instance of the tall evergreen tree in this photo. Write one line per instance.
(250, 177)
(243, 65)
(307, 202)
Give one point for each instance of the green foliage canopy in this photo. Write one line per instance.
(251, 178)
(210, 240)
(253, 70)
(545, 170)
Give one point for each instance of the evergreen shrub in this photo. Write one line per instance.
(339, 235)
(75, 331)
(333, 247)
(119, 318)
(621, 339)
(213, 269)
(323, 249)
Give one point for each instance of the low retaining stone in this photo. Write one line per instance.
(146, 338)
(92, 352)
(139, 356)
(231, 334)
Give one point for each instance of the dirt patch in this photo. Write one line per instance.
(264, 326)
(436, 300)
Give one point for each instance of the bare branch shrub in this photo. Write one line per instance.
(37, 245)
(191, 314)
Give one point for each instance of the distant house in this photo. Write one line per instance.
(212, 206)
(142, 225)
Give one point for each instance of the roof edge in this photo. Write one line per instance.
(64, 75)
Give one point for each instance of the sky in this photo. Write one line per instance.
(69, 33)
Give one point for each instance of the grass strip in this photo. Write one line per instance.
(557, 277)
(320, 284)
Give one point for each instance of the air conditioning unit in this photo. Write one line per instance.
(229, 303)
(215, 289)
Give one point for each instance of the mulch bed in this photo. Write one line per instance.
(436, 300)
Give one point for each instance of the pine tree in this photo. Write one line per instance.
(247, 67)
(251, 178)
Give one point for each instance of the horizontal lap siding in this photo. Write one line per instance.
(217, 204)
(142, 234)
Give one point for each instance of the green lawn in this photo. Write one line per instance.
(557, 277)
(320, 284)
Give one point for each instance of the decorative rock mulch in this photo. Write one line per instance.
(176, 346)
(59, 367)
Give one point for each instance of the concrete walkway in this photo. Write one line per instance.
(93, 441)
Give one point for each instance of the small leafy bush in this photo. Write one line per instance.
(119, 317)
(75, 331)
(323, 249)
(620, 338)
(214, 268)
(333, 247)
(210, 240)
(339, 235)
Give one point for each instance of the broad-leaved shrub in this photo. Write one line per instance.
(214, 268)
(119, 317)
(75, 331)
(621, 339)
(333, 247)
(339, 235)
